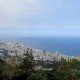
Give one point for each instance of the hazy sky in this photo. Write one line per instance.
(40, 18)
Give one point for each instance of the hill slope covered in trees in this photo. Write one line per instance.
(24, 70)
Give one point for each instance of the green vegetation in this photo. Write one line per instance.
(61, 70)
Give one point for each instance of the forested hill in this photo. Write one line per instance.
(25, 70)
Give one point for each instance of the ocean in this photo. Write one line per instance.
(64, 45)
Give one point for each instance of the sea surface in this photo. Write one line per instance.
(68, 46)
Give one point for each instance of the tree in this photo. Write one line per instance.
(28, 61)
(2, 63)
(37, 76)
(27, 65)
(11, 68)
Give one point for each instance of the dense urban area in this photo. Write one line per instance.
(19, 62)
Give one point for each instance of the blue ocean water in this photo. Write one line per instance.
(65, 45)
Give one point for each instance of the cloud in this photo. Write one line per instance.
(33, 14)
(12, 10)
(18, 7)
(23, 13)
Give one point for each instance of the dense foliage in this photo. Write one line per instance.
(24, 70)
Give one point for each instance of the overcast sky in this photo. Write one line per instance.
(40, 18)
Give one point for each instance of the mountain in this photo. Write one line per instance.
(8, 50)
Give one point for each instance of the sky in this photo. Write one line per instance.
(40, 18)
